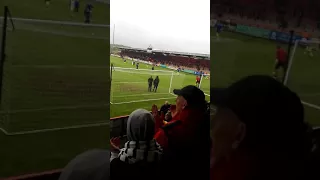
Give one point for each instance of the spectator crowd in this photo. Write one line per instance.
(184, 62)
(281, 15)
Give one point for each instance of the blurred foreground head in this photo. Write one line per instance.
(262, 119)
(90, 165)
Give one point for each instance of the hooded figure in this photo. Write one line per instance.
(141, 156)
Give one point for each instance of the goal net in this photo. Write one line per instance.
(130, 85)
(56, 76)
(303, 75)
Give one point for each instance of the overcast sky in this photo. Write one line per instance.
(174, 25)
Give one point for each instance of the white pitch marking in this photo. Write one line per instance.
(151, 94)
(311, 105)
(144, 100)
(53, 108)
(53, 129)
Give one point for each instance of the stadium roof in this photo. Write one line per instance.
(197, 55)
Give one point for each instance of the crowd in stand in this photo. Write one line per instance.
(184, 62)
(255, 130)
(281, 15)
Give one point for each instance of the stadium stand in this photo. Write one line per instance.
(196, 62)
(301, 16)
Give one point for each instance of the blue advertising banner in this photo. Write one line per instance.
(253, 31)
(163, 66)
(196, 73)
(188, 71)
(283, 37)
(267, 34)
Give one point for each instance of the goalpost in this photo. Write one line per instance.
(205, 84)
(130, 85)
(303, 74)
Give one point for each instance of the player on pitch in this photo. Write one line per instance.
(47, 3)
(112, 67)
(150, 81)
(198, 81)
(281, 62)
(76, 6)
(218, 30)
(308, 51)
(156, 83)
(88, 13)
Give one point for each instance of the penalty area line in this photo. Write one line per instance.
(53, 129)
(311, 105)
(53, 108)
(140, 95)
(59, 66)
(144, 100)
(4, 131)
(128, 82)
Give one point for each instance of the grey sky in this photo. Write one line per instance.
(174, 25)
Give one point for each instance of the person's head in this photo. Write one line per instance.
(166, 102)
(189, 96)
(157, 77)
(90, 165)
(140, 126)
(261, 116)
(168, 116)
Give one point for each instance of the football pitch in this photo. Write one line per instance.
(58, 10)
(59, 83)
(234, 56)
(129, 89)
(55, 76)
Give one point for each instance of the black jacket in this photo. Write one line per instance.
(120, 170)
(156, 81)
(150, 80)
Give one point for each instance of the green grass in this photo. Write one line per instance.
(236, 56)
(58, 10)
(40, 152)
(56, 84)
(137, 89)
(39, 74)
